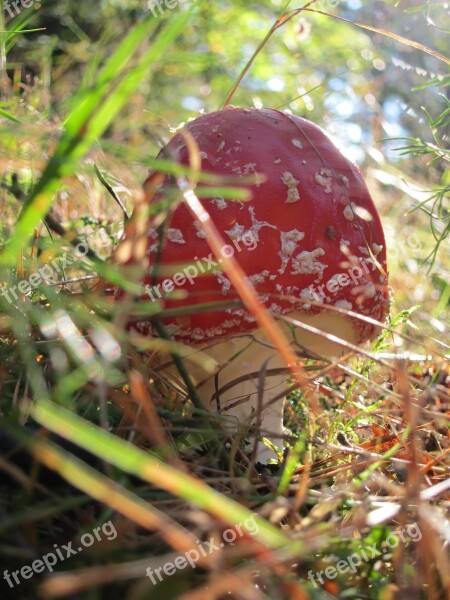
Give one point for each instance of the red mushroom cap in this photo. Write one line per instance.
(309, 234)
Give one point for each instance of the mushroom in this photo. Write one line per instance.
(309, 239)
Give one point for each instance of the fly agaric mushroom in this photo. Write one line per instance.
(308, 239)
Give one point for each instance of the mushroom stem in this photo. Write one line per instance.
(243, 389)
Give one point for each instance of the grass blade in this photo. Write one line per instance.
(147, 466)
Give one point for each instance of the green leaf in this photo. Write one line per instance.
(94, 111)
(7, 115)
